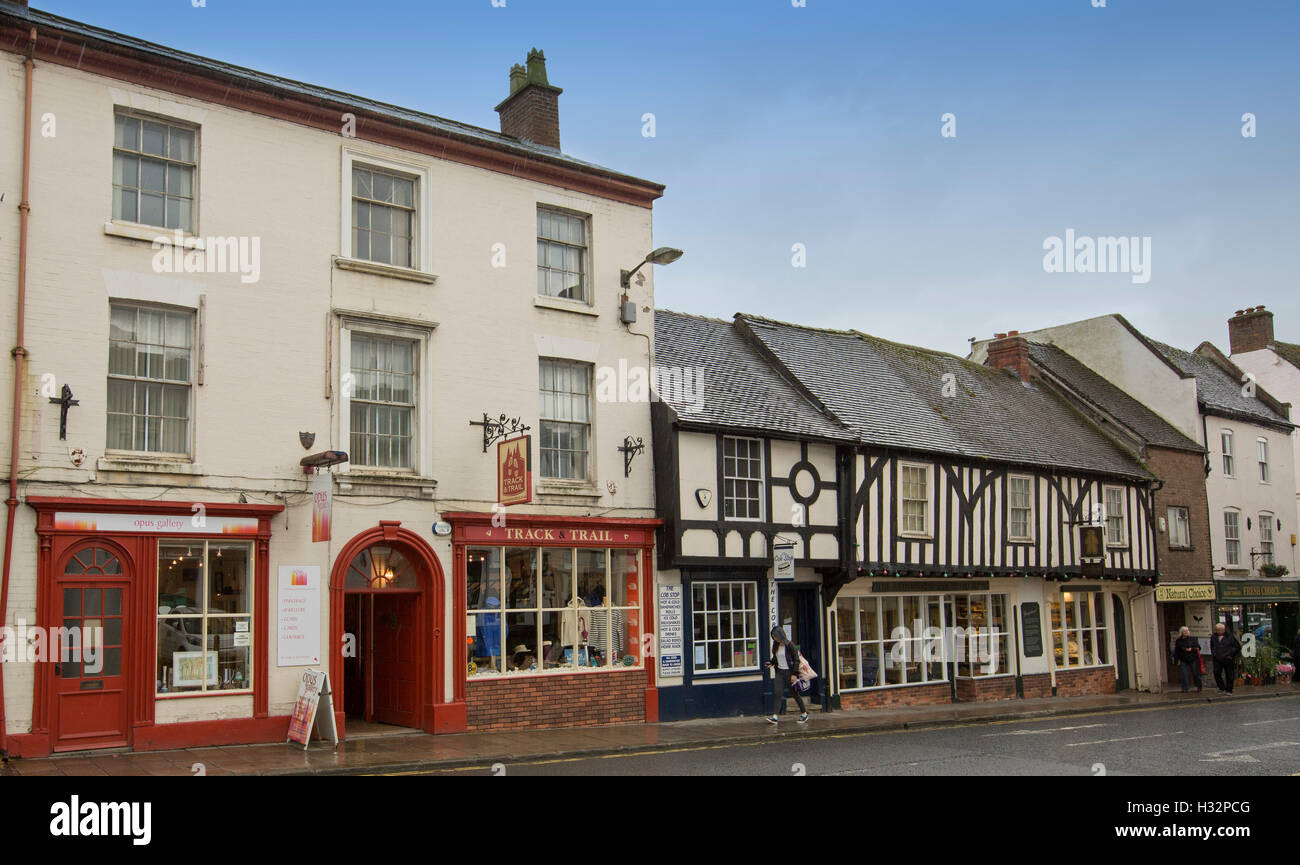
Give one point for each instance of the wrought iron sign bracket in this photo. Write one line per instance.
(631, 447)
(499, 428)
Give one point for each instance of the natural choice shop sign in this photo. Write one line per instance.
(1175, 593)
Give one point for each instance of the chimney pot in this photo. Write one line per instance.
(532, 110)
(1250, 330)
(999, 336)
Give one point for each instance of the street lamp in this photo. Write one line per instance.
(662, 255)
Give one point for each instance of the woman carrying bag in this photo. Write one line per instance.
(785, 672)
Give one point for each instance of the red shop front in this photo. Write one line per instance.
(554, 620)
(177, 594)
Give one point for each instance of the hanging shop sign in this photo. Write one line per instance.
(195, 523)
(783, 562)
(298, 616)
(515, 471)
(322, 506)
(670, 630)
(1259, 591)
(1175, 593)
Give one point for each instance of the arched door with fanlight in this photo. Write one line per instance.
(382, 598)
(90, 694)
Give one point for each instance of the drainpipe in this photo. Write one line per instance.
(20, 357)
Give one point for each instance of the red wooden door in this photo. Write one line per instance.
(395, 661)
(90, 694)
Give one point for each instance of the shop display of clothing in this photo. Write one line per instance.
(598, 631)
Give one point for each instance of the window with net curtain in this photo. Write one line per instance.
(565, 419)
(382, 404)
(149, 379)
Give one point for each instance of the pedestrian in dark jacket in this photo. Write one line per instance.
(1187, 655)
(1225, 648)
(1295, 658)
(785, 668)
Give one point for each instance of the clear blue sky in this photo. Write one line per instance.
(821, 125)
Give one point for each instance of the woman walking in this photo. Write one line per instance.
(785, 669)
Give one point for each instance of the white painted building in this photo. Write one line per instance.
(402, 277)
(1251, 480)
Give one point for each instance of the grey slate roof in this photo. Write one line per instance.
(263, 80)
(1288, 351)
(891, 394)
(741, 389)
(1217, 390)
(1149, 426)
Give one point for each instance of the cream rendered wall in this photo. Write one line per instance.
(1281, 379)
(1248, 494)
(268, 358)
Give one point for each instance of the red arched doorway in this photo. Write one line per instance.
(386, 616)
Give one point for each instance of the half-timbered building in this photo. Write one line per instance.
(990, 535)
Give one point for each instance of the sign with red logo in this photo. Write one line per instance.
(515, 471)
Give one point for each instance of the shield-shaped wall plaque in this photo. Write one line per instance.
(704, 497)
(307, 439)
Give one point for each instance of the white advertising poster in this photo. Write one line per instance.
(670, 630)
(298, 616)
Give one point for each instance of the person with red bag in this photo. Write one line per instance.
(1187, 655)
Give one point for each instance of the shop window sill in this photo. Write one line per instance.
(377, 269)
(147, 464)
(575, 306)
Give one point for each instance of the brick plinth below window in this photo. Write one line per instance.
(1094, 680)
(986, 688)
(905, 695)
(542, 702)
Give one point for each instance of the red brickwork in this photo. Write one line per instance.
(1037, 685)
(986, 688)
(540, 702)
(1095, 680)
(905, 695)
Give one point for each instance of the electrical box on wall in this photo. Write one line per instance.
(627, 314)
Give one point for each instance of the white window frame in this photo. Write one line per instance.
(1178, 514)
(1100, 635)
(761, 480)
(881, 641)
(1261, 457)
(929, 500)
(588, 283)
(1231, 553)
(422, 232)
(752, 629)
(421, 417)
(191, 385)
(1228, 449)
(1267, 522)
(175, 122)
(1123, 515)
(990, 635)
(1029, 508)
(588, 479)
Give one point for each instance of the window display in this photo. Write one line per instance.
(548, 609)
(205, 628)
(1079, 637)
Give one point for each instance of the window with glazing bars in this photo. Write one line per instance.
(149, 363)
(561, 254)
(383, 217)
(382, 404)
(742, 478)
(565, 390)
(154, 166)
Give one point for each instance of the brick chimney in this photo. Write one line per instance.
(1010, 351)
(1250, 330)
(532, 110)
